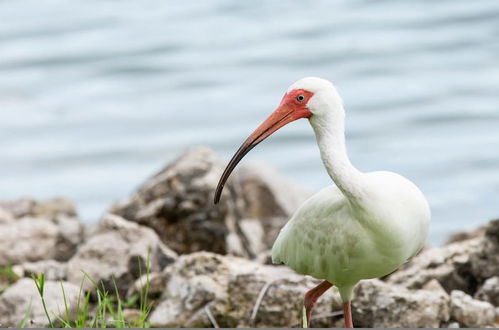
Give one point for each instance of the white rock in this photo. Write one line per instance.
(118, 250)
(489, 291)
(53, 270)
(178, 204)
(450, 265)
(28, 239)
(470, 312)
(227, 288)
(379, 305)
(5, 216)
(33, 231)
(15, 303)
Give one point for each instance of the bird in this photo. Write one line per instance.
(365, 225)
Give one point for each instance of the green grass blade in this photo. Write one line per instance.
(66, 309)
(40, 285)
(24, 321)
(118, 316)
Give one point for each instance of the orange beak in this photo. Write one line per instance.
(283, 115)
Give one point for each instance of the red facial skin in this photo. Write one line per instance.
(293, 106)
(292, 103)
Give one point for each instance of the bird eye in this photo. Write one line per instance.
(300, 98)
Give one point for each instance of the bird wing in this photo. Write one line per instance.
(313, 240)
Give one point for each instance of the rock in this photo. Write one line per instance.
(118, 251)
(33, 231)
(265, 257)
(465, 235)
(269, 197)
(450, 265)
(252, 229)
(435, 286)
(54, 207)
(205, 288)
(70, 235)
(50, 208)
(463, 265)
(485, 261)
(379, 305)
(15, 303)
(33, 239)
(178, 204)
(5, 216)
(131, 315)
(157, 281)
(19, 208)
(489, 291)
(89, 230)
(453, 325)
(470, 312)
(53, 270)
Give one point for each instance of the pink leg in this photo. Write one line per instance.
(312, 296)
(347, 314)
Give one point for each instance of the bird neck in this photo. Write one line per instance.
(330, 135)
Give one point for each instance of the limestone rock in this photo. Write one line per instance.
(70, 235)
(465, 235)
(53, 270)
(465, 265)
(269, 197)
(470, 312)
(489, 291)
(118, 250)
(131, 315)
(178, 204)
(5, 216)
(34, 239)
(379, 305)
(485, 262)
(205, 288)
(450, 265)
(15, 302)
(33, 231)
(453, 325)
(50, 208)
(19, 208)
(156, 284)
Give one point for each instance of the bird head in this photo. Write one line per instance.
(307, 98)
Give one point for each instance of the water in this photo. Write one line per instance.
(95, 96)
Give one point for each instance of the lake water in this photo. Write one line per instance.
(95, 96)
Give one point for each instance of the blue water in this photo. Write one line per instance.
(95, 96)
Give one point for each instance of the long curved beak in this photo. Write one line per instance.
(283, 115)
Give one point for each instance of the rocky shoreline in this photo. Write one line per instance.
(209, 265)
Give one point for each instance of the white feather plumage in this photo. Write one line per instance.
(363, 227)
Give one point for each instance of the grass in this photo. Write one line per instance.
(108, 310)
(25, 319)
(7, 277)
(40, 285)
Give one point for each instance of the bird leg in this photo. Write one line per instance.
(312, 296)
(347, 314)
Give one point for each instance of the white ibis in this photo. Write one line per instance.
(365, 226)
